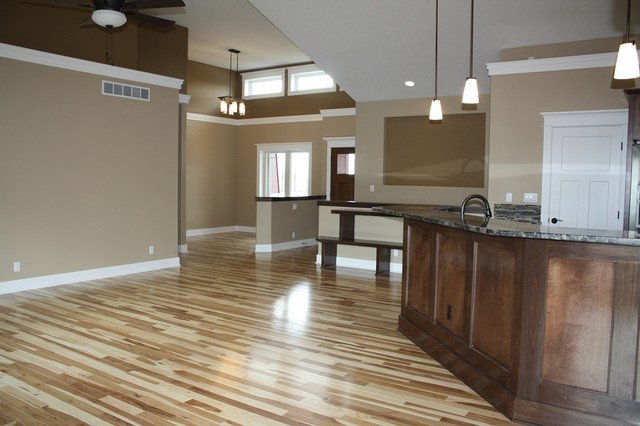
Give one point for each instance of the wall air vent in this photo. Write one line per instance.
(128, 91)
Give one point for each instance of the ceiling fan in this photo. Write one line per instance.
(113, 13)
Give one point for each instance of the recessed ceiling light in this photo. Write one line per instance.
(409, 83)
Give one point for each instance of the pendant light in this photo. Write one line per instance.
(470, 93)
(435, 112)
(229, 104)
(627, 60)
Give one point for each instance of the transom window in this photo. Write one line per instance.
(284, 169)
(302, 80)
(263, 84)
(309, 79)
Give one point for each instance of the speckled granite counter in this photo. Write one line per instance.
(439, 215)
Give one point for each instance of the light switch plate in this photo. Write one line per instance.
(508, 197)
(530, 197)
(372, 188)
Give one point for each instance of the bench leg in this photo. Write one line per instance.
(383, 259)
(329, 252)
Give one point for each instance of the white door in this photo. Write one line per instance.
(587, 177)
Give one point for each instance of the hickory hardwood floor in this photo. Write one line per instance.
(231, 338)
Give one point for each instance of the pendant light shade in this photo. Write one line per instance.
(435, 112)
(229, 104)
(470, 94)
(627, 60)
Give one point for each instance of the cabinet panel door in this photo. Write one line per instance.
(418, 254)
(451, 281)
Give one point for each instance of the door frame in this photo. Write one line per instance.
(336, 142)
(560, 119)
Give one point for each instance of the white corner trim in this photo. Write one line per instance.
(183, 248)
(369, 265)
(287, 245)
(86, 275)
(606, 117)
(211, 119)
(337, 112)
(220, 230)
(184, 99)
(597, 60)
(65, 62)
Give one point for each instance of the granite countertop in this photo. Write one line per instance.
(442, 215)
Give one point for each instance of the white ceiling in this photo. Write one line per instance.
(371, 47)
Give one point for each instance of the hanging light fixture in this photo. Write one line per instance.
(627, 60)
(435, 112)
(229, 104)
(470, 93)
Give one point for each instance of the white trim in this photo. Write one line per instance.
(253, 121)
(86, 275)
(559, 119)
(251, 75)
(287, 245)
(220, 230)
(65, 62)
(184, 99)
(336, 142)
(597, 60)
(369, 265)
(302, 69)
(337, 112)
(287, 147)
(183, 248)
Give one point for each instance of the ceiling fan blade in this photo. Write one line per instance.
(68, 4)
(149, 20)
(151, 4)
(87, 22)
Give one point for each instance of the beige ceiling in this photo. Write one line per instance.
(371, 47)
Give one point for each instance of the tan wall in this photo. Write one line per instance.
(582, 47)
(246, 157)
(206, 84)
(285, 220)
(370, 148)
(339, 126)
(298, 105)
(79, 190)
(210, 175)
(517, 127)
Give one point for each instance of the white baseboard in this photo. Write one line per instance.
(183, 248)
(287, 245)
(86, 275)
(220, 230)
(369, 265)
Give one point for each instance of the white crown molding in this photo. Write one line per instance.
(352, 262)
(607, 117)
(337, 112)
(597, 60)
(287, 245)
(220, 230)
(65, 62)
(86, 275)
(184, 99)
(253, 121)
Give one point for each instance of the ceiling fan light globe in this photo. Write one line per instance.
(470, 94)
(435, 112)
(108, 18)
(627, 62)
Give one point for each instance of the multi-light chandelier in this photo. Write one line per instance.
(230, 104)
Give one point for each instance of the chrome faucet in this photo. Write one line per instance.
(487, 207)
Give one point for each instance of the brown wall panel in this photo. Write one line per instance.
(578, 320)
(451, 277)
(298, 105)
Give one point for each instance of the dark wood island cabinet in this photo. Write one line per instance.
(545, 330)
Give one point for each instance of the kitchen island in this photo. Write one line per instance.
(541, 321)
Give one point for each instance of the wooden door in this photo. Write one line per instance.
(342, 174)
(587, 177)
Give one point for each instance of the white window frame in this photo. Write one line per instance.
(288, 147)
(303, 69)
(262, 74)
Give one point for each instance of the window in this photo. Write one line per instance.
(284, 169)
(263, 84)
(309, 79)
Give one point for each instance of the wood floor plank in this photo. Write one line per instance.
(231, 337)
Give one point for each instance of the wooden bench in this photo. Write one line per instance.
(347, 237)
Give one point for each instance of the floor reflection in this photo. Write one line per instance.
(292, 310)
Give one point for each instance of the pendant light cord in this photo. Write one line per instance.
(627, 34)
(471, 44)
(235, 77)
(436, 73)
(230, 70)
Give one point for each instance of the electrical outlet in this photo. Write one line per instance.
(293, 235)
(509, 197)
(530, 197)
(372, 188)
(16, 267)
(295, 206)
(152, 249)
